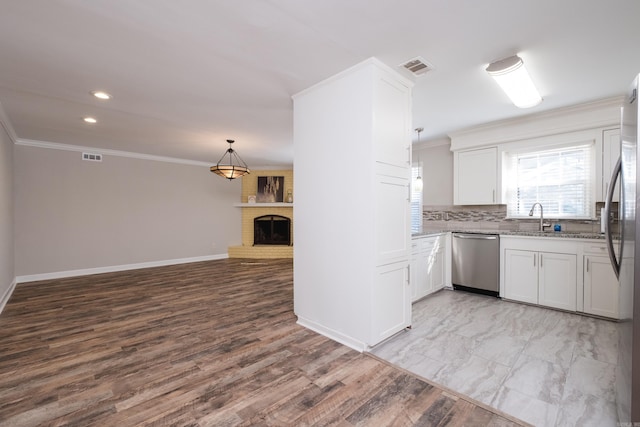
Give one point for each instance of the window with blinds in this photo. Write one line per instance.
(561, 179)
(416, 201)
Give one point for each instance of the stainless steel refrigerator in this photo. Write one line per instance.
(627, 262)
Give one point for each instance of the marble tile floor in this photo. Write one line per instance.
(546, 367)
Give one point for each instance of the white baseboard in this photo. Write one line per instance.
(334, 335)
(114, 268)
(7, 294)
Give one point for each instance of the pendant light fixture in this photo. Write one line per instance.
(418, 184)
(515, 81)
(231, 168)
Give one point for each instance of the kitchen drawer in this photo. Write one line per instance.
(600, 248)
(426, 243)
(595, 248)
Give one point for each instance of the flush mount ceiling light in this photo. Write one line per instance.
(101, 94)
(90, 120)
(232, 167)
(418, 184)
(514, 79)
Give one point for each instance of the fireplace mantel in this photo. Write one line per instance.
(263, 205)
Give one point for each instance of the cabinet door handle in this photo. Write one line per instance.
(540, 260)
(494, 196)
(408, 274)
(534, 259)
(587, 265)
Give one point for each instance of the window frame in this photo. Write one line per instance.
(416, 223)
(508, 152)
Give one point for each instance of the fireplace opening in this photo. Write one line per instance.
(272, 230)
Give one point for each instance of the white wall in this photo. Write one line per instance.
(437, 173)
(333, 238)
(7, 272)
(75, 215)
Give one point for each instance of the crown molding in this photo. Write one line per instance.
(432, 143)
(107, 152)
(271, 168)
(364, 65)
(596, 114)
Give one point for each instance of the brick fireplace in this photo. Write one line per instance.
(252, 211)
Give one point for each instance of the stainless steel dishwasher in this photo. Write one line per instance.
(476, 262)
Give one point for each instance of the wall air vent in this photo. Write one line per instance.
(92, 157)
(417, 66)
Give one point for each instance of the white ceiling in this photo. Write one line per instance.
(187, 75)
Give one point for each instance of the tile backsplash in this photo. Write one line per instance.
(495, 217)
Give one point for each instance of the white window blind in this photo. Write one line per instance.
(561, 179)
(416, 201)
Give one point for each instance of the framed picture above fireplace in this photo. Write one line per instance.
(270, 189)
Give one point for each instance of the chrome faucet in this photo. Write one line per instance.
(542, 223)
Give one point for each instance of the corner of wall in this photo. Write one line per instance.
(7, 294)
(7, 215)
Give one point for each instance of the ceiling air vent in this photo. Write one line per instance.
(417, 66)
(92, 157)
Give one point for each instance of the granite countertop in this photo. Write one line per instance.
(552, 234)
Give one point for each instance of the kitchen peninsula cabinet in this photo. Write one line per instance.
(476, 177)
(351, 265)
(428, 265)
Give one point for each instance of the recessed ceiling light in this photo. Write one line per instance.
(90, 120)
(100, 94)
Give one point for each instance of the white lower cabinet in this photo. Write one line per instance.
(436, 267)
(428, 267)
(540, 271)
(543, 278)
(600, 287)
(391, 300)
(569, 274)
(557, 280)
(521, 276)
(418, 279)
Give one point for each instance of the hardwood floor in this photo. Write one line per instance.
(203, 344)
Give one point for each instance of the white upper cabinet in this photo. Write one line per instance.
(475, 174)
(610, 155)
(392, 124)
(393, 219)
